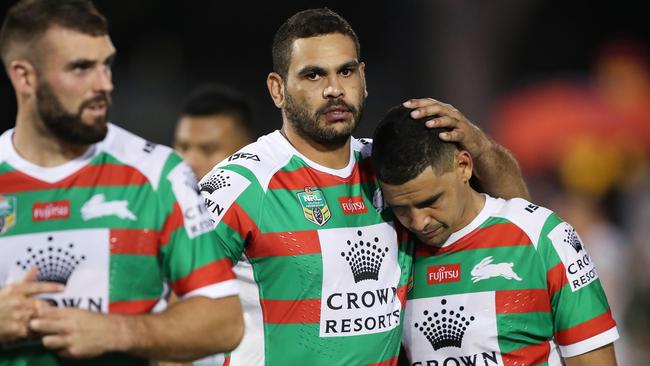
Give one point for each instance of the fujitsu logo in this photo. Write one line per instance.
(55, 263)
(42, 211)
(365, 258)
(353, 205)
(444, 328)
(443, 274)
(216, 181)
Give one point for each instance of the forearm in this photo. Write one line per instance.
(187, 330)
(499, 174)
(603, 356)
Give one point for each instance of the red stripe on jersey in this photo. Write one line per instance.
(89, 176)
(131, 307)
(133, 241)
(556, 278)
(586, 329)
(291, 311)
(210, 274)
(401, 294)
(522, 301)
(534, 354)
(285, 244)
(239, 221)
(173, 221)
(307, 177)
(391, 362)
(497, 235)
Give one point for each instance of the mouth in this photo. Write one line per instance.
(432, 233)
(97, 108)
(337, 113)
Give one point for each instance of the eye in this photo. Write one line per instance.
(313, 76)
(346, 72)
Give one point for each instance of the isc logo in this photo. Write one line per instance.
(244, 155)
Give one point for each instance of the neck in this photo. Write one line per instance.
(473, 207)
(36, 144)
(333, 157)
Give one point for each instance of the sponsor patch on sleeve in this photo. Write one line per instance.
(220, 189)
(195, 216)
(580, 269)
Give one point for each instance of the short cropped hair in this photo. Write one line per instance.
(306, 24)
(403, 148)
(211, 99)
(28, 20)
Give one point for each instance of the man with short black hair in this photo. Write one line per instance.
(214, 123)
(495, 281)
(96, 221)
(324, 269)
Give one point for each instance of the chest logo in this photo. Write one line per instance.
(314, 206)
(8, 210)
(444, 327)
(486, 269)
(97, 206)
(365, 258)
(55, 263)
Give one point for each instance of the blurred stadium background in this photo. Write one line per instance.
(564, 85)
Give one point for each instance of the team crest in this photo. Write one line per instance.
(8, 209)
(314, 206)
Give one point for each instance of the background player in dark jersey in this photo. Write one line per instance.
(498, 282)
(58, 56)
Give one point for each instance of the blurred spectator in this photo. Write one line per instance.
(594, 136)
(214, 123)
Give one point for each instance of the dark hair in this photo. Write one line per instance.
(29, 19)
(211, 99)
(306, 24)
(403, 148)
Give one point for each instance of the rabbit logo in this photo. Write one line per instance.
(486, 269)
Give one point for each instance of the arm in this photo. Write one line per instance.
(202, 326)
(496, 169)
(17, 305)
(603, 356)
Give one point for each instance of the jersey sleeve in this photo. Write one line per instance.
(232, 198)
(191, 260)
(581, 315)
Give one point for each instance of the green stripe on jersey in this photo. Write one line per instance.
(128, 283)
(304, 340)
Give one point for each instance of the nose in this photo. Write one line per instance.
(104, 79)
(334, 88)
(419, 219)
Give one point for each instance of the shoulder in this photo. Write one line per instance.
(363, 146)
(529, 217)
(254, 163)
(149, 158)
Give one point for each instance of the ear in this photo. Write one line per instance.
(464, 165)
(362, 72)
(23, 76)
(276, 88)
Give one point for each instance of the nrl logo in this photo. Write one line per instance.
(314, 206)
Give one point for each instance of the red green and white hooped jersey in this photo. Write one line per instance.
(514, 287)
(118, 226)
(323, 269)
